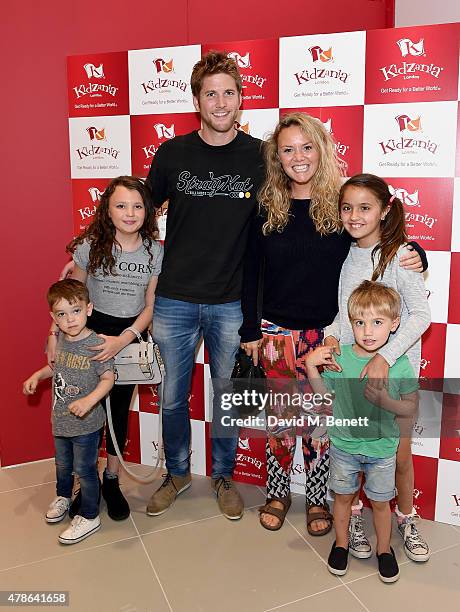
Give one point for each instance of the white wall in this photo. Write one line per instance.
(419, 12)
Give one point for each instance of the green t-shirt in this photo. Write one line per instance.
(380, 437)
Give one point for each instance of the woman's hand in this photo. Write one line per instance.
(109, 348)
(376, 371)
(67, 270)
(252, 350)
(410, 260)
(333, 344)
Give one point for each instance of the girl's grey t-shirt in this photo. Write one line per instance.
(121, 294)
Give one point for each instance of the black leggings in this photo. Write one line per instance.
(120, 395)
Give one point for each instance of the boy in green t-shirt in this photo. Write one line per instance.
(365, 436)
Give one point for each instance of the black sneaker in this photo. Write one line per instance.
(117, 506)
(337, 562)
(388, 566)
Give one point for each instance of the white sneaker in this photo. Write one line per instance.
(79, 529)
(57, 510)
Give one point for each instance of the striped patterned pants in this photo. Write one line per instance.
(282, 355)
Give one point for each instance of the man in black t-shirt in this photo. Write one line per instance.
(210, 178)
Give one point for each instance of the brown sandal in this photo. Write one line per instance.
(279, 513)
(323, 514)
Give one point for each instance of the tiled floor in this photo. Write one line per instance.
(192, 559)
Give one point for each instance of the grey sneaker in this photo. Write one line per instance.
(166, 494)
(229, 500)
(57, 509)
(358, 544)
(415, 546)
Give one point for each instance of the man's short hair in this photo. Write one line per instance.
(67, 289)
(374, 296)
(214, 62)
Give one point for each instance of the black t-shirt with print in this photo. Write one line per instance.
(212, 193)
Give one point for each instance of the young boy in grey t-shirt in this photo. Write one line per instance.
(79, 383)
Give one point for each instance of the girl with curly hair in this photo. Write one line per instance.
(295, 253)
(119, 258)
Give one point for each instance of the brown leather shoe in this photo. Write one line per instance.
(228, 498)
(166, 494)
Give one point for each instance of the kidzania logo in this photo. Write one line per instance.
(408, 199)
(406, 123)
(410, 70)
(241, 457)
(163, 67)
(341, 148)
(88, 211)
(95, 90)
(318, 74)
(412, 200)
(163, 133)
(244, 62)
(318, 55)
(95, 150)
(408, 144)
(243, 127)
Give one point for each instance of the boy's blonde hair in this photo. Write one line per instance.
(374, 296)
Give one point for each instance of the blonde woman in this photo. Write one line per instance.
(296, 250)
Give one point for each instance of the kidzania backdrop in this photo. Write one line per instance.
(390, 99)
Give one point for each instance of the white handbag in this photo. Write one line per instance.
(139, 362)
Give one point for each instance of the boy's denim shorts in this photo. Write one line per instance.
(344, 474)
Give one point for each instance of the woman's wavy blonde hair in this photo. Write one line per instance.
(275, 193)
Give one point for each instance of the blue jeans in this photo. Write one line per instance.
(79, 454)
(345, 469)
(177, 328)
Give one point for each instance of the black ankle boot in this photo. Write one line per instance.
(117, 506)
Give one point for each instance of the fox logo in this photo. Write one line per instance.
(93, 72)
(317, 54)
(408, 199)
(162, 65)
(406, 123)
(407, 47)
(242, 61)
(243, 128)
(95, 134)
(163, 131)
(95, 194)
(243, 443)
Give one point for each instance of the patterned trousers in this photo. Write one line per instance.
(282, 355)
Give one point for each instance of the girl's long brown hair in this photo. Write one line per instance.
(392, 227)
(100, 233)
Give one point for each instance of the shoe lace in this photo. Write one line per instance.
(168, 479)
(223, 482)
(357, 529)
(412, 533)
